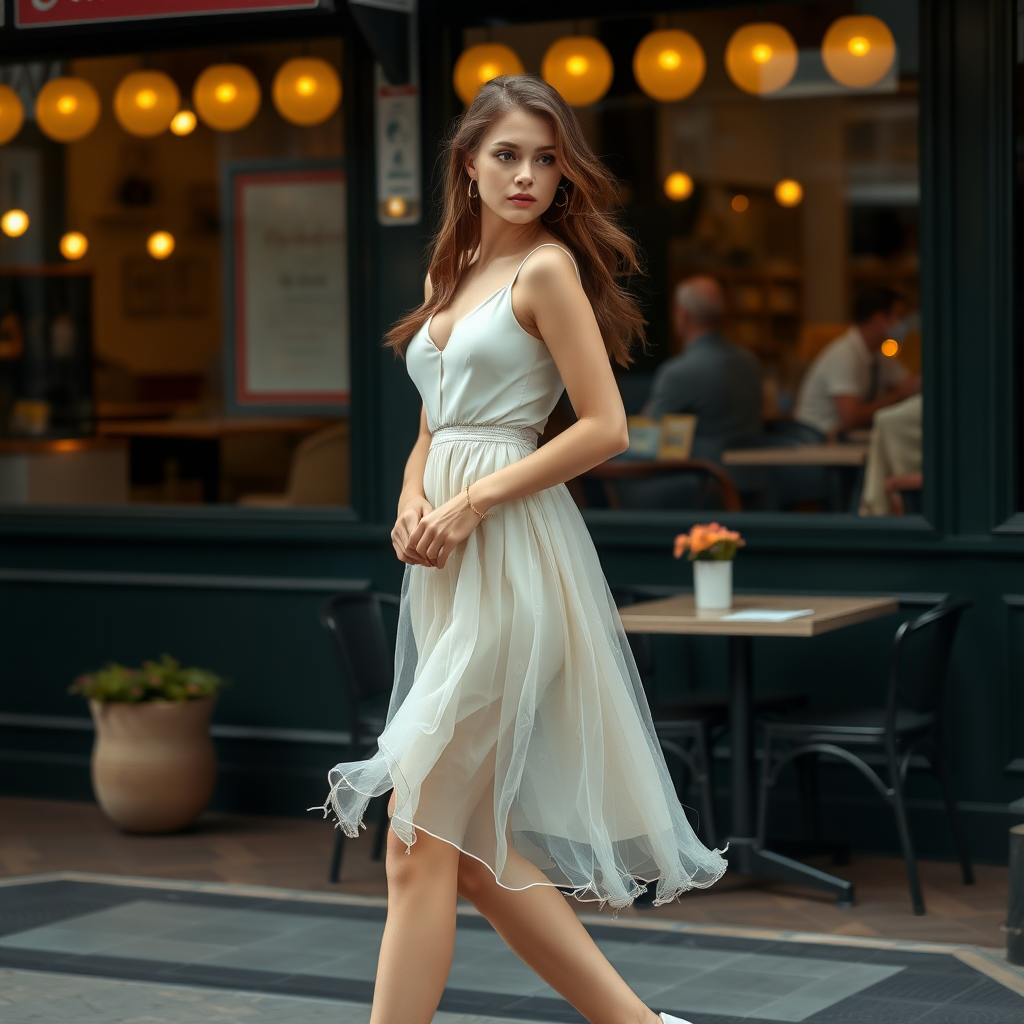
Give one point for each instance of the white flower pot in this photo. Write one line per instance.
(712, 585)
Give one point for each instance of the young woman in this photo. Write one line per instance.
(519, 744)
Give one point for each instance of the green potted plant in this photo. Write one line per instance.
(153, 763)
(711, 548)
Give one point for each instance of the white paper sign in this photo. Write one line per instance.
(292, 278)
(398, 153)
(766, 615)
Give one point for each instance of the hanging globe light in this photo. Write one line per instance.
(761, 58)
(145, 103)
(183, 122)
(858, 50)
(678, 186)
(307, 90)
(160, 244)
(668, 65)
(479, 64)
(12, 114)
(73, 245)
(580, 68)
(67, 109)
(226, 96)
(789, 192)
(14, 223)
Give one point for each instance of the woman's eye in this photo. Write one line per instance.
(502, 155)
(547, 158)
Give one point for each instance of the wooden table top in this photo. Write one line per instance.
(679, 615)
(799, 455)
(57, 445)
(213, 427)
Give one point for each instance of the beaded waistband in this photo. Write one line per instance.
(524, 437)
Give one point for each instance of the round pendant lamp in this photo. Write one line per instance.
(858, 50)
(580, 68)
(761, 58)
(226, 97)
(73, 245)
(14, 223)
(307, 90)
(789, 192)
(146, 102)
(678, 186)
(668, 65)
(184, 122)
(67, 109)
(479, 64)
(12, 114)
(160, 244)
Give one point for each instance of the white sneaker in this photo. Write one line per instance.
(669, 1019)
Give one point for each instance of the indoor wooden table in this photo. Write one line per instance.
(799, 455)
(679, 615)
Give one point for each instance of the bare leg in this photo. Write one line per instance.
(541, 928)
(419, 936)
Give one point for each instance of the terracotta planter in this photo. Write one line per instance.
(153, 764)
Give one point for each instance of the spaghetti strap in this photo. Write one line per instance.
(541, 246)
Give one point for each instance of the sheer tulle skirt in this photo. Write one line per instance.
(518, 719)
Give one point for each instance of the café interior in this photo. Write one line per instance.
(153, 353)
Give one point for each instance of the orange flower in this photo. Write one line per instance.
(702, 540)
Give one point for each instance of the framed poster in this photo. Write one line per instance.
(286, 343)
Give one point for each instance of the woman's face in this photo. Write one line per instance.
(516, 168)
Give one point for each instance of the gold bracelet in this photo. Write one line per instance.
(482, 515)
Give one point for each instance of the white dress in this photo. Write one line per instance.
(518, 717)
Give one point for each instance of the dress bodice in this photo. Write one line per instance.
(491, 371)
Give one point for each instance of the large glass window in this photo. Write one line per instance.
(780, 231)
(174, 307)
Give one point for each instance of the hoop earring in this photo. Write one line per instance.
(565, 196)
(469, 191)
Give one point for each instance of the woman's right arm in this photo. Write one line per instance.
(412, 503)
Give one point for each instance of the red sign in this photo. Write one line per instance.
(41, 13)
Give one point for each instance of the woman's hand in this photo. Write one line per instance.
(440, 532)
(410, 513)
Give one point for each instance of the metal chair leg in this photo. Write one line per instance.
(766, 772)
(339, 846)
(903, 827)
(807, 784)
(959, 840)
(382, 828)
(707, 789)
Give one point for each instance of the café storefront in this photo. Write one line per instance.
(197, 379)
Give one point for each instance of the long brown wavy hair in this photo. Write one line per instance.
(607, 255)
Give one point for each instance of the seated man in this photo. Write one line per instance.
(851, 380)
(718, 382)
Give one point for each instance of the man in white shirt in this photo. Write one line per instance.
(851, 379)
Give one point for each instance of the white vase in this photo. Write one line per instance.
(712, 585)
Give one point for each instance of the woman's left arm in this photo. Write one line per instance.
(551, 298)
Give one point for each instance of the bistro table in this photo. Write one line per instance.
(799, 455)
(679, 615)
(196, 439)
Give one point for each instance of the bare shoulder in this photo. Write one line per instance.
(549, 268)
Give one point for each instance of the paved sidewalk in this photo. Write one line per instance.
(120, 950)
(41, 835)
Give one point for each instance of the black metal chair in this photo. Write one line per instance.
(365, 650)
(688, 725)
(911, 721)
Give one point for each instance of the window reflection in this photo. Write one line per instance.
(781, 234)
(114, 382)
